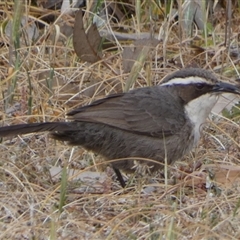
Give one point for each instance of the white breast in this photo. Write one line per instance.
(198, 110)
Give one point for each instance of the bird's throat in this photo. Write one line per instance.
(198, 110)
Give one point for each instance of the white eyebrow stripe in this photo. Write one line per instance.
(185, 81)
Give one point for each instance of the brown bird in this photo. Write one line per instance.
(150, 122)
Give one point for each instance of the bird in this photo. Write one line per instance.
(161, 122)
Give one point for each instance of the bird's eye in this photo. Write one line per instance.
(199, 86)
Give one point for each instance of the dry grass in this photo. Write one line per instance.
(201, 199)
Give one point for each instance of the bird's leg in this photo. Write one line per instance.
(119, 177)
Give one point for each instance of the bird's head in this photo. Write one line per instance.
(198, 90)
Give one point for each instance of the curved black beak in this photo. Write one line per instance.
(226, 87)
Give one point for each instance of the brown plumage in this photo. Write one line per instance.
(142, 123)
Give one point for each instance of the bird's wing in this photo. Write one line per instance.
(146, 111)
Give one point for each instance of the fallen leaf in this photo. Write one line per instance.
(85, 45)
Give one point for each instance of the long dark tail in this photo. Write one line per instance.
(19, 129)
